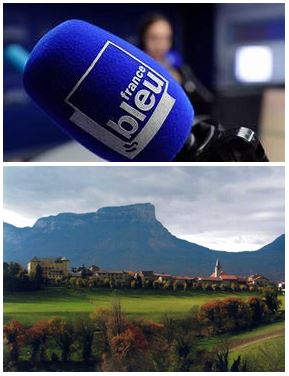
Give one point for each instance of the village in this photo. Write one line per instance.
(57, 269)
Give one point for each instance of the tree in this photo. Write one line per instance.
(100, 322)
(184, 348)
(117, 320)
(223, 287)
(63, 332)
(14, 336)
(130, 350)
(221, 363)
(258, 309)
(133, 284)
(129, 341)
(150, 328)
(146, 283)
(167, 285)
(243, 288)
(220, 316)
(112, 283)
(270, 297)
(185, 286)
(91, 283)
(15, 278)
(38, 277)
(14, 268)
(85, 333)
(215, 287)
(156, 284)
(195, 285)
(175, 285)
(36, 337)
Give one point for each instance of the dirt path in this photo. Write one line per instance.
(251, 341)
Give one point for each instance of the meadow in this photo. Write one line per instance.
(263, 347)
(28, 307)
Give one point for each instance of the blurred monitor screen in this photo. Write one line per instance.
(250, 45)
(248, 67)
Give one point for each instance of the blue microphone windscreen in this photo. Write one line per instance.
(107, 94)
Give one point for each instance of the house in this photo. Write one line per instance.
(81, 271)
(258, 280)
(51, 267)
(94, 268)
(185, 279)
(148, 275)
(220, 277)
(119, 276)
(161, 277)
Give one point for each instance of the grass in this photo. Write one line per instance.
(28, 307)
(233, 340)
(264, 356)
(262, 347)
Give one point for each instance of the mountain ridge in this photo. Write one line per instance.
(131, 237)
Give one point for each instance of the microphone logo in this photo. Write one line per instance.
(136, 101)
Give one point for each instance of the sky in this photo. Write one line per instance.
(224, 207)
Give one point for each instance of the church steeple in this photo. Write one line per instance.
(218, 269)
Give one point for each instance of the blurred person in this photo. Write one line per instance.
(156, 39)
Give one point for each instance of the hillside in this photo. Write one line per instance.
(131, 238)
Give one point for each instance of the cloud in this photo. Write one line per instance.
(224, 206)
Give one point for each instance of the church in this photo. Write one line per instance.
(219, 276)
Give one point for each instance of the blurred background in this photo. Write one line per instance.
(230, 59)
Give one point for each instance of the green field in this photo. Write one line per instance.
(263, 347)
(242, 340)
(28, 307)
(266, 355)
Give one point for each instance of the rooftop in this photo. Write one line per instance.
(49, 259)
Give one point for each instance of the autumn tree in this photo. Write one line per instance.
(130, 350)
(13, 337)
(36, 337)
(258, 309)
(220, 316)
(117, 320)
(100, 322)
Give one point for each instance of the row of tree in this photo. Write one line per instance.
(112, 342)
(15, 278)
(135, 283)
(233, 314)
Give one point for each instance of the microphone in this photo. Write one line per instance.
(107, 94)
(118, 102)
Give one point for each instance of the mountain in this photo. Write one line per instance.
(131, 238)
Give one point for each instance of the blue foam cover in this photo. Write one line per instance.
(107, 94)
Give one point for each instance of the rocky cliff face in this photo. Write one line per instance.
(131, 213)
(131, 237)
